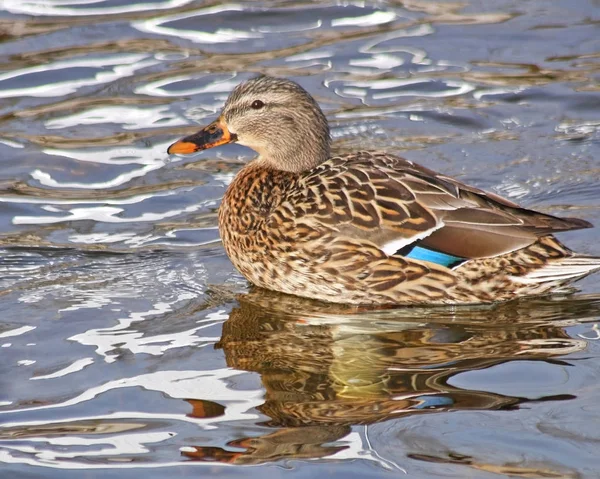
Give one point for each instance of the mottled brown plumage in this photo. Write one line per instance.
(369, 227)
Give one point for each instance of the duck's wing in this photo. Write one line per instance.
(398, 205)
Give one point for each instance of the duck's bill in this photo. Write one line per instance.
(210, 136)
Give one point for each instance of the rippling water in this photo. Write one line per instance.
(130, 345)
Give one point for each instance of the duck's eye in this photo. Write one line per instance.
(257, 104)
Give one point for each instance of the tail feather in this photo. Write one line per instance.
(563, 270)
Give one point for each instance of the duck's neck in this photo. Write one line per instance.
(299, 149)
(297, 158)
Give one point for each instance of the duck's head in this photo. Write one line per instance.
(275, 117)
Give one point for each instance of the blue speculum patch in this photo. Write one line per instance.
(437, 257)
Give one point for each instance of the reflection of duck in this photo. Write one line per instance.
(327, 370)
(369, 227)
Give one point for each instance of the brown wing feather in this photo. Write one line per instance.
(384, 199)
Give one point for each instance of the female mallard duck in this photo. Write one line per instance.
(369, 227)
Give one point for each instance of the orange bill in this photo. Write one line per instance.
(210, 136)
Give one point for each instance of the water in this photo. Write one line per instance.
(129, 344)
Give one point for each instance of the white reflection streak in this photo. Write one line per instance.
(107, 214)
(123, 66)
(12, 144)
(118, 156)
(460, 88)
(130, 118)
(49, 8)
(46, 180)
(103, 238)
(478, 95)
(381, 61)
(360, 89)
(370, 20)
(26, 362)
(16, 332)
(72, 368)
(310, 56)
(221, 35)
(212, 384)
(108, 201)
(419, 55)
(156, 88)
(121, 444)
(107, 339)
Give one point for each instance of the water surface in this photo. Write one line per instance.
(130, 346)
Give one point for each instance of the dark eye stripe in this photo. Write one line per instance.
(257, 104)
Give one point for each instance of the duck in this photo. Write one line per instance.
(369, 227)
